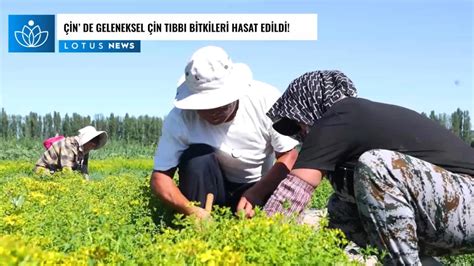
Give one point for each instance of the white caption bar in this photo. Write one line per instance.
(186, 27)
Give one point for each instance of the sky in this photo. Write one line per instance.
(417, 54)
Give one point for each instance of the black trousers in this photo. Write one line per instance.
(200, 173)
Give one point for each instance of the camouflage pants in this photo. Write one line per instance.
(407, 207)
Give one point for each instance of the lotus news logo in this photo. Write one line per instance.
(31, 37)
(31, 33)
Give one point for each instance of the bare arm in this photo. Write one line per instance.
(165, 189)
(257, 194)
(310, 176)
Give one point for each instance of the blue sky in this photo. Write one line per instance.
(417, 54)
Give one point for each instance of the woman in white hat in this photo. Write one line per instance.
(72, 152)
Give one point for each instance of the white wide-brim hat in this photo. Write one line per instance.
(212, 80)
(88, 133)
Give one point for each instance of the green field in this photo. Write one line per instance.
(113, 219)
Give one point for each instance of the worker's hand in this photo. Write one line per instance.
(247, 203)
(246, 207)
(200, 213)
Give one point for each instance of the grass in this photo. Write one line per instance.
(32, 150)
(62, 219)
(114, 219)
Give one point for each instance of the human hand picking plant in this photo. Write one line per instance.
(203, 213)
(247, 203)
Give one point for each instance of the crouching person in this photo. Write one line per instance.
(71, 153)
(219, 139)
(403, 183)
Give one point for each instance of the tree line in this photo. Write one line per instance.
(142, 129)
(458, 122)
(147, 129)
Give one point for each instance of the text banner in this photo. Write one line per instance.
(286, 27)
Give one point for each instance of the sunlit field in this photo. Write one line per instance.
(114, 219)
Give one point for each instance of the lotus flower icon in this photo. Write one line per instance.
(31, 37)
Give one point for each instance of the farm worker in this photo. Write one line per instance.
(219, 139)
(72, 152)
(403, 183)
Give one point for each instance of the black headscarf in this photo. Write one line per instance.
(308, 97)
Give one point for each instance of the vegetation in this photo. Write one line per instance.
(63, 219)
(113, 219)
(459, 122)
(143, 129)
(25, 149)
(146, 129)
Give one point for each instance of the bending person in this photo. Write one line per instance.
(403, 183)
(72, 152)
(219, 139)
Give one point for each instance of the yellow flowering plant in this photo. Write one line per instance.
(114, 219)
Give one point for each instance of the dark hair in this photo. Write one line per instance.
(286, 126)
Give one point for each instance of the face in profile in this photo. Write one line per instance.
(301, 133)
(219, 115)
(90, 145)
(292, 128)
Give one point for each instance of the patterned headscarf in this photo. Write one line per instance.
(309, 96)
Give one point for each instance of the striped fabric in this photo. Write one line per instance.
(309, 96)
(290, 197)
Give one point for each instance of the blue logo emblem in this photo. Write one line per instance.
(31, 33)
